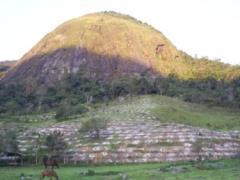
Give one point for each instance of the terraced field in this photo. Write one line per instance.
(136, 134)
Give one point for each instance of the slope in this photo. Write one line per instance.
(109, 44)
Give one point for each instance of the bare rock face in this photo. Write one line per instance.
(108, 45)
(101, 44)
(5, 66)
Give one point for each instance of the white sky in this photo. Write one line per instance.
(199, 27)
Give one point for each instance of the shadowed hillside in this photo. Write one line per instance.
(115, 39)
(105, 55)
(47, 69)
(5, 65)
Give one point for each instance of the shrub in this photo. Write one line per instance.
(66, 110)
(55, 142)
(93, 126)
(8, 141)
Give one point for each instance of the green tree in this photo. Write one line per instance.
(37, 145)
(93, 126)
(55, 143)
(67, 109)
(8, 142)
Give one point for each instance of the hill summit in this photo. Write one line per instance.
(102, 44)
(107, 46)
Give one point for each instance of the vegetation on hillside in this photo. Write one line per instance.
(163, 108)
(92, 126)
(55, 143)
(211, 117)
(69, 96)
(169, 72)
(8, 141)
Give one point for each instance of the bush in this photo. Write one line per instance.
(63, 112)
(88, 172)
(66, 110)
(8, 141)
(80, 109)
(55, 142)
(93, 126)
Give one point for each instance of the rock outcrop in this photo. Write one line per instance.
(100, 45)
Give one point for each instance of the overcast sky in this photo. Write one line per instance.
(199, 27)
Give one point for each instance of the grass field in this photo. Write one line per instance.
(218, 170)
(174, 110)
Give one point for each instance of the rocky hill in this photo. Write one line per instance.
(5, 66)
(109, 44)
(101, 56)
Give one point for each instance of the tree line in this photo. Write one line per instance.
(71, 95)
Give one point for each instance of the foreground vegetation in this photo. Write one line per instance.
(213, 170)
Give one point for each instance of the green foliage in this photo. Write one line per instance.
(12, 98)
(8, 141)
(55, 143)
(35, 150)
(93, 126)
(113, 146)
(88, 172)
(75, 93)
(64, 111)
